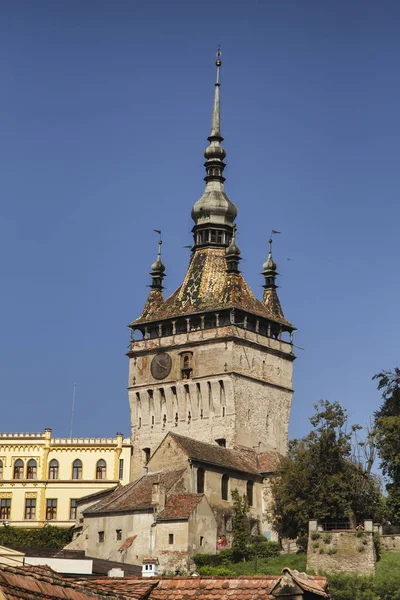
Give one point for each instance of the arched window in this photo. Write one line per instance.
(53, 469)
(200, 481)
(224, 487)
(32, 469)
(101, 469)
(1, 469)
(249, 492)
(18, 469)
(77, 469)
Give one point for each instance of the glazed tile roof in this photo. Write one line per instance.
(237, 459)
(33, 583)
(208, 286)
(136, 495)
(179, 506)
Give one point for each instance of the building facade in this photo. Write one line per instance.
(41, 477)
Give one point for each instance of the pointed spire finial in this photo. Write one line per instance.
(157, 268)
(269, 267)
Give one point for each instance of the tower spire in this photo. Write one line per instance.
(157, 268)
(214, 211)
(269, 269)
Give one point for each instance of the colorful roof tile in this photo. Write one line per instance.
(208, 286)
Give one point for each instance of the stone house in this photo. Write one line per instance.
(178, 507)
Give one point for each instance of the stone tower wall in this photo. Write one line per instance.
(240, 390)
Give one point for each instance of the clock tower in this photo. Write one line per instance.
(211, 362)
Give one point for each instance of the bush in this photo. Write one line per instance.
(359, 534)
(327, 538)
(265, 549)
(349, 587)
(207, 560)
(226, 556)
(332, 551)
(377, 545)
(315, 535)
(215, 571)
(46, 537)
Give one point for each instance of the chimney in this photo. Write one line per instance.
(116, 573)
(158, 494)
(150, 566)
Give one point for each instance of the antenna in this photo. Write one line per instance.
(73, 410)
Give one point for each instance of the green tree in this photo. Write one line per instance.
(387, 431)
(241, 525)
(320, 479)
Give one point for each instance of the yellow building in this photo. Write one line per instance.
(42, 477)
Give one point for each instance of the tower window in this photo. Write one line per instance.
(146, 453)
(186, 365)
(118, 534)
(201, 540)
(121, 468)
(249, 492)
(224, 487)
(170, 538)
(100, 537)
(200, 481)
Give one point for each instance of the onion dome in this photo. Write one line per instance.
(157, 268)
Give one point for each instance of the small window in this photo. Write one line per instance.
(30, 509)
(18, 469)
(100, 537)
(224, 487)
(170, 538)
(5, 509)
(118, 534)
(101, 469)
(201, 540)
(200, 481)
(1, 469)
(77, 469)
(72, 509)
(186, 365)
(51, 509)
(53, 469)
(32, 469)
(221, 442)
(146, 454)
(121, 468)
(249, 492)
(223, 411)
(140, 422)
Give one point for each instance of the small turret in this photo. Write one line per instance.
(157, 268)
(232, 255)
(270, 297)
(269, 270)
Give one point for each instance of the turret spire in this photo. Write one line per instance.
(157, 268)
(269, 269)
(214, 213)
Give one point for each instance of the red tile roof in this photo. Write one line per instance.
(136, 495)
(179, 506)
(34, 583)
(238, 458)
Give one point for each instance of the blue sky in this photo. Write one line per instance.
(105, 110)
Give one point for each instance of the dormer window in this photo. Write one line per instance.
(186, 365)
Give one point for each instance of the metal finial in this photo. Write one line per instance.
(218, 63)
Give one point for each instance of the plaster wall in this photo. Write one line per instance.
(138, 524)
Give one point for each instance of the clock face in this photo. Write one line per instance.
(161, 365)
